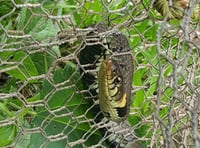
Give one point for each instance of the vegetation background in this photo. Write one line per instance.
(42, 100)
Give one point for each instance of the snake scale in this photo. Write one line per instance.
(107, 72)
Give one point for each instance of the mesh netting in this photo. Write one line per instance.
(43, 100)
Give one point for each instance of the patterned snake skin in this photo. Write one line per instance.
(107, 70)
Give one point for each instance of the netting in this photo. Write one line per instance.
(43, 100)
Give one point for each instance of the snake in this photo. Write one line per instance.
(115, 80)
(112, 95)
(107, 72)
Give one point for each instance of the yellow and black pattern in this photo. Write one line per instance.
(115, 79)
(107, 72)
(112, 95)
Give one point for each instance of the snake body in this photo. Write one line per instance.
(115, 79)
(112, 95)
(107, 72)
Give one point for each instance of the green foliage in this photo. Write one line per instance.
(8, 132)
(27, 65)
(25, 69)
(62, 87)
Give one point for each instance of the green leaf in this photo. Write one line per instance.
(24, 141)
(42, 61)
(44, 29)
(34, 98)
(116, 4)
(47, 87)
(40, 28)
(150, 33)
(24, 70)
(7, 134)
(23, 18)
(139, 95)
(6, 55)
(4, 110)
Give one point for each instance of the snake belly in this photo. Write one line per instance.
(107, 72)
(112, 95)
(115, 79)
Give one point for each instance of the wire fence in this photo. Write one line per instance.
(43, 100)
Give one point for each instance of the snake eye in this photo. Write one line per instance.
(116, 49)
(117, 80)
